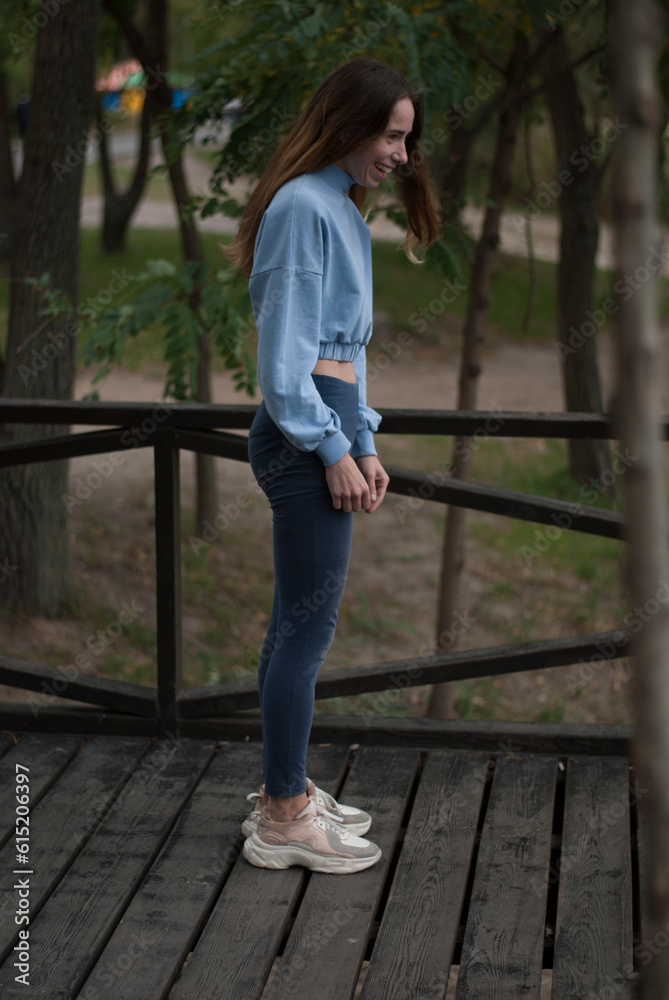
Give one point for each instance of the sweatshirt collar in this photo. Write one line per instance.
(336, 178)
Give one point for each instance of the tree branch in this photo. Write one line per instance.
(579, 62)
(462, 37)
(131, 33)
(588, 55)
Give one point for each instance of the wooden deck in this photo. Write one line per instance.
(497, 868)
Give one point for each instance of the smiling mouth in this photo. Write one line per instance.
(383, 168)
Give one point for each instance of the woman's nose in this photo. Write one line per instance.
(400, 155)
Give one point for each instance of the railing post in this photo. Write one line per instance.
(168, 579)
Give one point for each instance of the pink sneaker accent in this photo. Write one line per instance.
(313, 839)
(356, 821)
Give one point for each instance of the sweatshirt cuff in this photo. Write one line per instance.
(333, 447)
(363, 444)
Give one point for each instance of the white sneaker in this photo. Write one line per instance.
(356, 821)
(312, 840)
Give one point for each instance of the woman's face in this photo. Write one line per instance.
(370, 163)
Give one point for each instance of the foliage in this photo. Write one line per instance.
(281, 51)
(270, 56)
(185, 302)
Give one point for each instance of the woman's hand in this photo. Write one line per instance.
(377, 479)
(358, 484)
(348, 486)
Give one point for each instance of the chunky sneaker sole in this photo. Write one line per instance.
(356, 821)
(257, 853)
(311, 840)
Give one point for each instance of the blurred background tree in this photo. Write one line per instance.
(34, 534)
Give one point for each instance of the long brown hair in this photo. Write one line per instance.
(351, 107)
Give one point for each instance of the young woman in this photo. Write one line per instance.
(306, 249)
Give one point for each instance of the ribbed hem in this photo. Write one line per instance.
(334, 350)
(333, 447)
(363, 444)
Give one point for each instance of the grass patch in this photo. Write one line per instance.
(401, 290)
(364, 618)
(529, 551)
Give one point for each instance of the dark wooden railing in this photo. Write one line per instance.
(170, 428)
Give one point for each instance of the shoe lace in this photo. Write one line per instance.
(328, 801)
(328, 821)
(326, 805)
(333, 817)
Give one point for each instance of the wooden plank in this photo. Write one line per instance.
(336, 683)
(593, 934)
(474, 734)
(63, 820)
(251, 915)
(506, 503)
(67, 446)
(389, 674)
(644, 953)
(414, 947)
(496, 423)
(7, 740)
(46, 757)
(168, 576)
(79, 917)
(220, 443)
(59, 719)
(51, 682)
(149, 946)
(474, 496)
(326, 947)
(424, 734)
(483, 424)
(503, 943)
(130, 415)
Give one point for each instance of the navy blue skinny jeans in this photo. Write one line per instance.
(312, 547)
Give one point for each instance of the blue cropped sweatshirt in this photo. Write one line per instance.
(311, 291)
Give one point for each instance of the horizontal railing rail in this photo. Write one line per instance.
(203, 416)
(206, 429)
(399, 674)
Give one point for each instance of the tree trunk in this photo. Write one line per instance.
(449, 626)
(463, 137)
(455, 175)
(574, 193)
(7, 179)
(151, 51)
(34, 534)
(119, 208)
(635, 32)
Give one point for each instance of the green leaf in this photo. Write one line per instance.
(161, 268)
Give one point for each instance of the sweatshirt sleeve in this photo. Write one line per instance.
(287, 304)
(368, 419)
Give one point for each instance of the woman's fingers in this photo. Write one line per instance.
(348, 487)
(377, 479)
(357, 485)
